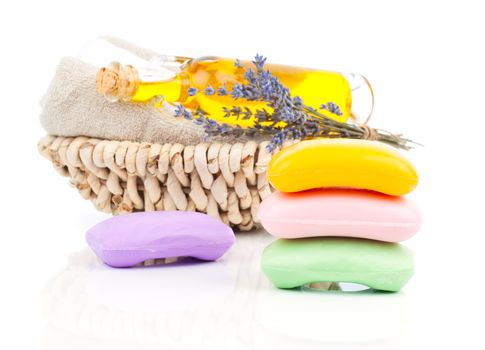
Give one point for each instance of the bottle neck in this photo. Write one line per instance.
(118, 82)
(169, 91)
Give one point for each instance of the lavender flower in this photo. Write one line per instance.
(237, 91)
(238, 112)
(259, 62)
(261, 116)
(179, 111)
(192, 91)
(290, 118)
(250, 76)
(332, 108)
(297, 102)
(209, 90)
(222, 91)
(247, 113)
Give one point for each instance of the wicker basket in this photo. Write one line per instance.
(227, 181)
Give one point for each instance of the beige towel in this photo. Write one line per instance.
(72, 107)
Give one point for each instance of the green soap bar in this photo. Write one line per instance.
(297, 262)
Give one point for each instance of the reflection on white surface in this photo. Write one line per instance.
(228, 304)
(347, 319)
(182, 285)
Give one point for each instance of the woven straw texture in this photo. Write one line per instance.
(227, 181)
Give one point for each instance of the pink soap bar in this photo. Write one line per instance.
(349, 213)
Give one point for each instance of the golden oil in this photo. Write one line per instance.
(314, 87)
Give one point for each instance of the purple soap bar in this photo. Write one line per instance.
(130, 239)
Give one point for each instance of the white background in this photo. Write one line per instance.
(426, 63)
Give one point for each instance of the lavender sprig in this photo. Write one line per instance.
(332, 108)
(290, 119)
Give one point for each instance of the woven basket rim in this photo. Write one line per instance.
(224, 180)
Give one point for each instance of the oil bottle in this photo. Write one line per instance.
(170, 78)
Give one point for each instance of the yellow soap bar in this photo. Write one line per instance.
(348, 163)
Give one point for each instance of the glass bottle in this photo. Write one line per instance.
(170, 77)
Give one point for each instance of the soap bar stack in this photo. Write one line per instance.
(339, 212)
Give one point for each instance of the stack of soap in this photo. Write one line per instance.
(339, 213)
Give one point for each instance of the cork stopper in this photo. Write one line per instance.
(117, 82)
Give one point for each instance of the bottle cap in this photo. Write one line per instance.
(117, 82)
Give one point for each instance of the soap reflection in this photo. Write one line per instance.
(186, 284)
(346, 319)
(228, 304)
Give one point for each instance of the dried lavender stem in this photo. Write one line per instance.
(291, 119)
